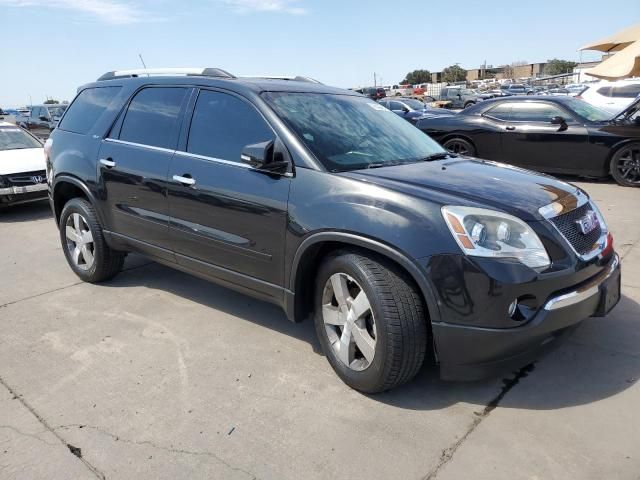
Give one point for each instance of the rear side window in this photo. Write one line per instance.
(152, 117)
(626, 91)
(604, 91)
(87, 108)
(223, 124)
(501, 112)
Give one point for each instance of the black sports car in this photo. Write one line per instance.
(548, 134)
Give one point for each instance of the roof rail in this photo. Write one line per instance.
(297, 78)
(204, 72)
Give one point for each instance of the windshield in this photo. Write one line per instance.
(57, 111)
(16, 139)
(466, 91)
(415, 104)
(350, 133)
(588, 111)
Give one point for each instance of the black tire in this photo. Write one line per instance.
(468, 104)
(460, 146)
(400, 321)
(625, 165)
(106, 262)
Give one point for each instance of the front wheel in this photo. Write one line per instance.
(460, 146)
(370, 321)
(625, 165)
(83, 243)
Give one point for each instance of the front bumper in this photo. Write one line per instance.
(469, 352)
(25, 194)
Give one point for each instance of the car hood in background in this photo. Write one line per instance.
(436, 112)
(24, 160)
(495, 185)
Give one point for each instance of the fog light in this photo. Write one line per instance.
(513, 307)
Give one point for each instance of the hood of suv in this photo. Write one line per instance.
(494, 185)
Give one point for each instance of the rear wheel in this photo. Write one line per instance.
(460, 146)
(83, 243)
(370, 321)
(625, 165)
(468, 104)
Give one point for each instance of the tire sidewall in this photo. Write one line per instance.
(370, 378)
(81, 206)
(470, 148)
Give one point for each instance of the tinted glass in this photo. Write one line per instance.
(35, 112)
(586, 110)
(501, 111)
(396, 106)
(16, 139)
(87, 107)
(152, 117)
(223, 125)
(56, 111)
(626, 91)
(348, 133)
(605, 91)
(535, 112)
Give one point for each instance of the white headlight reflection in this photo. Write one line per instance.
(487, 233)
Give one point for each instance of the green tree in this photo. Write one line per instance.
(557, 66)
(51, 101)
(416, 77)
(454, 73)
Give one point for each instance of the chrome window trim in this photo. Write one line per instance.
(213, 159)
(585, 292)
(142, 145)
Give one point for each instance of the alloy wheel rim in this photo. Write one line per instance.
(628, 164)
(349, 321)
(455, 146)
(79, 241)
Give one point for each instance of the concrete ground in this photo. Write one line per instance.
(159, 375)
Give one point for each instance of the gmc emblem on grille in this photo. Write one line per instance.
(37, 179)
(588, 223)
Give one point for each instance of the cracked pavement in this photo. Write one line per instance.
(158, 375)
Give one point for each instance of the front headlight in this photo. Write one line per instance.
(486, 233)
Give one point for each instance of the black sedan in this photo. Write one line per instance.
(412, 110)
(548, 134)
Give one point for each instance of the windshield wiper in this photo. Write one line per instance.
(376, 165)
(438, 156)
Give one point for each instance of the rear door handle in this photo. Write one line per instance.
(184, 180)
(510, 128)
(107, 162)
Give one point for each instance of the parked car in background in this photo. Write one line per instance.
(22, 166)
(461, 97)
(411, 109)
(517, 89)
(42, 119)
(576, 88)
(329, 205)
(612, 96)
(374, 93)
(556, 134)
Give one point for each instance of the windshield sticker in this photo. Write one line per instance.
(377, 106)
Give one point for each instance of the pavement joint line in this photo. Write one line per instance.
(45, 424)
(151, 444)
(31, 297)
(25, 434)
(508, 383)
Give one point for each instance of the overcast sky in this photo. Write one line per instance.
(49, 47)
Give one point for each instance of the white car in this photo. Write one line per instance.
(612, 96)
(22, 166)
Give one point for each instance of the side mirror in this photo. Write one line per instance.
(262, 156)
(459, 96)
(405, 109)
(558, 120)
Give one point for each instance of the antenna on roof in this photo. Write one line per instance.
(142, 60)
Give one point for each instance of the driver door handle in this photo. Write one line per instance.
(510, 128)
(108, 162)
(184, 180)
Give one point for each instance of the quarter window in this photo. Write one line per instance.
(626, 91)
(152, 117)
(223, 125)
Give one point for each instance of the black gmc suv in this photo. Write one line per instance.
(328, 204)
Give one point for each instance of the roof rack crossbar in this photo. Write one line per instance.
(141, 72)
(293, 78)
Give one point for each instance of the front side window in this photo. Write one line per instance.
(16, 139)
(35, 112)
(87, 107)
(56, 112)
(152, 117)
(626, 91)
(396, 106)
(222, 125)
(348, 133)
(535, 112)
